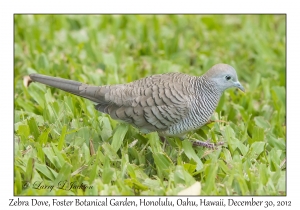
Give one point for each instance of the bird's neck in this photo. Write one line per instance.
(205, 85)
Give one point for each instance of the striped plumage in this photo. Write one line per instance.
(171, 104)
(203, 103)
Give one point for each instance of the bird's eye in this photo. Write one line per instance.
(227, 77)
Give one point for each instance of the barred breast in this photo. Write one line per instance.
(202, 105)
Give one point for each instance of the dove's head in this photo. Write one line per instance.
(224, 77)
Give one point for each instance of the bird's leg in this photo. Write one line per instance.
(196, 142)
(206, 144)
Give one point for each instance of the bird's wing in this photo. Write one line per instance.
(150, 104)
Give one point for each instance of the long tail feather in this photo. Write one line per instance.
(74, 87)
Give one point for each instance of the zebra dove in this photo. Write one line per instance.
(171, 104)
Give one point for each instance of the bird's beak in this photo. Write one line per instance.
(239, 86)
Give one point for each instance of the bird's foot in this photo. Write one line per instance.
(206, 144)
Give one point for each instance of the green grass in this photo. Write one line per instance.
(62, 138)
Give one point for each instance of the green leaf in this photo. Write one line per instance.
(109, 59)
(29, 169)
(280, 93)
(190, 153)
(230, 137)
(183, 177)
(154, 142)
(33, 128)
(261, 122)
(62, 138)
(189, 167)
(17, 182)
(63, 175)
(43, 138)
(118, 136)
(150, 183)
(258, 134)
(276, 142)
(110, 152)
(95, 165)
(40, 153)
(42, 62)
(243, 148)
(139, 172)
(37, 94)
(130, 171)
(263, 174)
(43, 169)
(106, 131)
(163, 163)
(257, 148)
(24, 132)
(242, 185)
(52, 157)
(107, 173)
(274, 159)
(58, 154)
(139, 185)
(211, 173)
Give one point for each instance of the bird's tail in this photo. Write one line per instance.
(71, 86)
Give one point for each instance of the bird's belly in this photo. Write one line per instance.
(190, 123)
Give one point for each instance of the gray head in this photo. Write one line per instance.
(224, 76)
